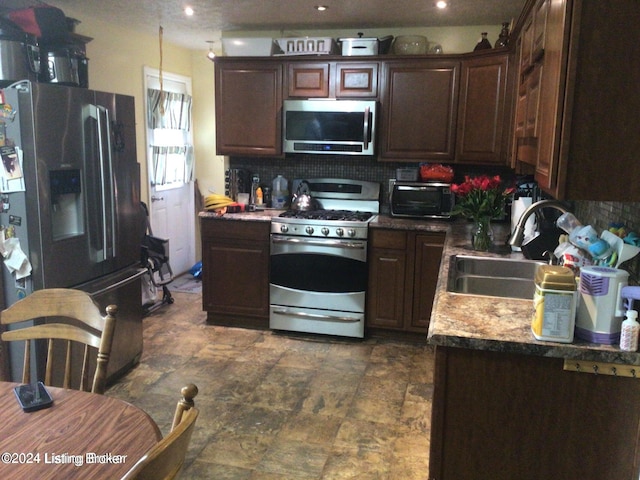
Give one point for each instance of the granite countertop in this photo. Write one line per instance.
(394, 223)
(499, 324)
(257, 216)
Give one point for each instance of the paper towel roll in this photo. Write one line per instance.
(517, 209)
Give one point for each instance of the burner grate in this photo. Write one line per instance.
(331, 215)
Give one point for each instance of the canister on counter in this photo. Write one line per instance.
(266, 193)
(554, 304)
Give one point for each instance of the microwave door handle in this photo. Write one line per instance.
(367, 110)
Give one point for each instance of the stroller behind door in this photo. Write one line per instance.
(154, 256)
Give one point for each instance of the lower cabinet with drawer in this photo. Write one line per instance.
(403, 273)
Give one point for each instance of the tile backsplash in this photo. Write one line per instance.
(597, 214)
(600, 214)
(334, 166)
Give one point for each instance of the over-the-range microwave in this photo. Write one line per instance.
(329, 126)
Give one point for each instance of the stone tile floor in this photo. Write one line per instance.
(281, 406)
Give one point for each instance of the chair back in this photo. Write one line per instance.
(66, 319)
(165, 460)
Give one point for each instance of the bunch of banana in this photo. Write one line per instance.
(215, 201)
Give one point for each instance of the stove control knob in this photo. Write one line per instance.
(339, 232)
(351, 232)
(309, 230)
(325, 231)
(284, 228)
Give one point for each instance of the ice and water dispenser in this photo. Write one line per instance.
(67, 206)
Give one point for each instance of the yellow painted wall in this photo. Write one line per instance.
(117, 58)
(460, 39)
(209, 166)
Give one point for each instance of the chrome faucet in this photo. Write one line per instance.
(517, 236)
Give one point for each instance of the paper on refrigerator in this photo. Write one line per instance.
(11, 173)
(14, 257)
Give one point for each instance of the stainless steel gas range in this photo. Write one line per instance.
(318, 276)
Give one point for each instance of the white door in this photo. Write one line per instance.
(171, 205)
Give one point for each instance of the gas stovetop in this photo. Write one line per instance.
(346, 208)
(330, 215)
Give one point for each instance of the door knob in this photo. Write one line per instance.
(156, 199)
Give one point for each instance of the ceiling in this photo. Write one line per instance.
(287, 16)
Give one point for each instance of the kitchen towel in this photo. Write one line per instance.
(517, 209)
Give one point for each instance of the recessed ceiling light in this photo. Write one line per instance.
(441, 4)
(188, 11)
(321, 8)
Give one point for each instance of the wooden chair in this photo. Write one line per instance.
(164, 461)
(77, 320)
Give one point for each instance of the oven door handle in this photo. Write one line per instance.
(320, 243)
(316, 316)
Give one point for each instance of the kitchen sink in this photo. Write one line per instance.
(490, 276)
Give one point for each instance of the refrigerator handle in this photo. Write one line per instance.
(108, 194)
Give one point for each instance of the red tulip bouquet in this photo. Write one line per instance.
(481, 199)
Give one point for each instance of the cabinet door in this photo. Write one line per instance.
(248, 108)
(539, 29)
(527, 45)
(481, 114)
(420, 99)
(532, 87)
(550, 126)
(476, 392)
(428, 253)
(308, 79)
(235, 258)
(387, 279)
(356, 80)
(527, 118)
(519, 123)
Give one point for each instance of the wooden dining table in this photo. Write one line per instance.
(82, 435)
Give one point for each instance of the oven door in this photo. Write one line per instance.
(318, 285)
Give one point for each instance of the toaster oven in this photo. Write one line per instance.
(421, 199)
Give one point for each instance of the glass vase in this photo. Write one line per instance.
(482, 234)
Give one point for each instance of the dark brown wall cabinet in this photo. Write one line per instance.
(423, 106)
(419, 109)
(235, 283)
(248, 107)
(403, 273)
(578, 93)
(339, 79)
(482, 126)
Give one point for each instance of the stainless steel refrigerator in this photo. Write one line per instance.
(73, 203)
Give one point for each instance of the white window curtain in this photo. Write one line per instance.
(169, 119)
(172, 165)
